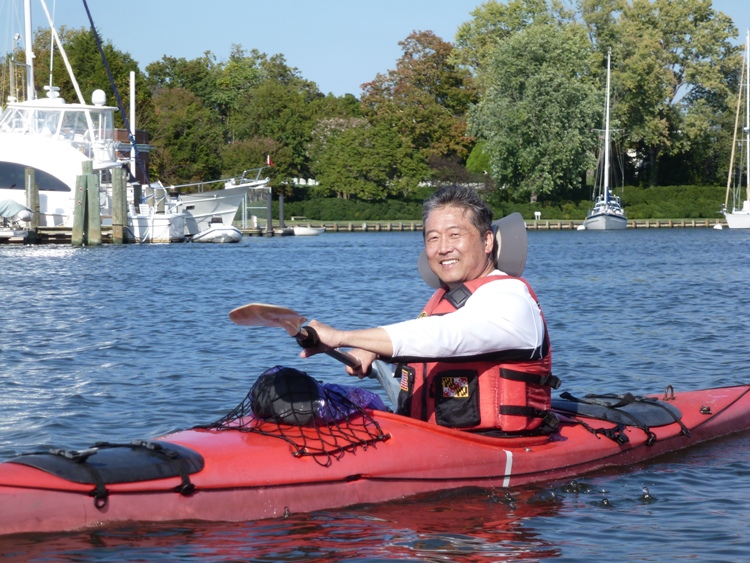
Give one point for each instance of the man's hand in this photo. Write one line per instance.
(365, 358)
(326, 339)
(366, 345)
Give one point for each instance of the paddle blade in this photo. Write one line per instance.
(262, 314)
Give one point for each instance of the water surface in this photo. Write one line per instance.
(131, 342)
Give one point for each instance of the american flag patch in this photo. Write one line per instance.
(457, 387)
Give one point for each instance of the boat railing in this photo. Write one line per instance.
(156, 198)
(65, 123)
(166, 199)
(245, 178)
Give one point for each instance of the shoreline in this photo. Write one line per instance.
(531, 225)
(62, 235)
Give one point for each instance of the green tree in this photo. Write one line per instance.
(283, 113)
(240, 74)
(331, 106)
(675, 77)
(187, 140)
(261, 105)
(425, 100)
(493, 22)
(479, 161)
(279, 112)
(353, 158)
(238, 156)
(601, 18)
(199, 76)
(539, 110)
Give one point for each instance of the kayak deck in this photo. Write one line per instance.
(253, 475)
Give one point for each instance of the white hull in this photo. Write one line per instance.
(201, 208)
(605, 222)
(739, 218)
(8, 233)
(156, 228)
(308, 231)
(220, 234)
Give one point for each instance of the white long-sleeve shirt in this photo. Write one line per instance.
(500, 315)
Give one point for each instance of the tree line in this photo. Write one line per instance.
(514, 103)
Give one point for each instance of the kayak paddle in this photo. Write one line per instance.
(262, 314)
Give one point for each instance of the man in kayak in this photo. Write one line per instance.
(478, 356)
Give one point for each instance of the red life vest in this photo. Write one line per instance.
(508, 390)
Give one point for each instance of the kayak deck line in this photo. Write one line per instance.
(251, 476)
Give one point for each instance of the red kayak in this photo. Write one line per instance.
(247, 468)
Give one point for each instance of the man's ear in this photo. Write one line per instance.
(489, 242)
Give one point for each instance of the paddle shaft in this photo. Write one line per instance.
(263, 314)
(308, 338)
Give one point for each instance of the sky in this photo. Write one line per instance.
(338, 44)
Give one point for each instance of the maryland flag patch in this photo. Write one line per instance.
(455, 387)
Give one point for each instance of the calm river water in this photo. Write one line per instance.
(116, 343)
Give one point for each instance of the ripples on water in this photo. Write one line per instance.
(124, 342)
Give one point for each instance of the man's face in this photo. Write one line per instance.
(456, 251)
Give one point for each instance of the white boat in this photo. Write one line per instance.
(55, 139)
(146, 225)
(739, 217)
(202, 208)
(608, 213)
(170, 214)
(206, 216)
(12, 214)
(9, 233)
(308, 231)
(218, 233)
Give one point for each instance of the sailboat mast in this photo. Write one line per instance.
(606, 136)
(28, 39)
(747, 113)
(737, 114)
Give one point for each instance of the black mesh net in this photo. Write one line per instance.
(322, 421)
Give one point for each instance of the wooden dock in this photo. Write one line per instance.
(532, 225)
(633, 224)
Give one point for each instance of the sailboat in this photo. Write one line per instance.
(608, 213)
(739, 218)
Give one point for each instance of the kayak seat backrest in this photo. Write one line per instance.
(107, 463)
(624, 409)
